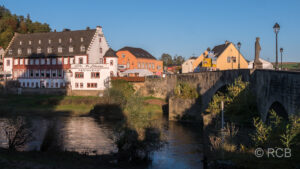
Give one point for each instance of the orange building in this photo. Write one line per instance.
(137, 58)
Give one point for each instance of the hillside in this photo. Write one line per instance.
(11, 23)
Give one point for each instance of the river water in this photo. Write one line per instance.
(87, 135)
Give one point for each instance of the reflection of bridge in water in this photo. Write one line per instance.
(279, 90)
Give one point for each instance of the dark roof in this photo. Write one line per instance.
(65, 36)
(138, 52)
(218, 50)
(110, 53)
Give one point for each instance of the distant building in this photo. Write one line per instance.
(187, 66)
(1, 58)
(137, 58)
(265, 64)
(221, 57)
(78, 59)
(136, 73)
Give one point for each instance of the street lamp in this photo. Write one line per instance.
(281, 50)
(276, 28)
(239, 47)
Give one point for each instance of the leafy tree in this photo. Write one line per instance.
(9, 24)
(178, 60)
(167, 59)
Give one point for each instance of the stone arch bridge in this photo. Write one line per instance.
(277, 89)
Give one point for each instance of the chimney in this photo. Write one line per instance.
(226, 42)
(54, 30)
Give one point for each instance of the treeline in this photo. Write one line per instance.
(11, 23)
(168, 60)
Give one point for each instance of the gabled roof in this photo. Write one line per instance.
(110, 53)
(44, 38)
(218, 50)
(138, 52)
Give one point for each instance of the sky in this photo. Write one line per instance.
(177, 27)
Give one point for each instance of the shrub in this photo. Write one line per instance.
(18, 133)
(262, 132)
(185, 91)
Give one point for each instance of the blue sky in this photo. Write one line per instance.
(183, 27)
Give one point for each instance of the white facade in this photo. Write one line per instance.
(266, 64)
(187, 66)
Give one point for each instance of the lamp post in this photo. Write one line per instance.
(239, 47)
(276, 28)
(281, 51)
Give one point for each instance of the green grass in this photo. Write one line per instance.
(290, 65)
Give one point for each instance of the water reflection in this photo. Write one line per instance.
(85, 135)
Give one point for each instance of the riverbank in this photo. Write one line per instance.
(48, 105)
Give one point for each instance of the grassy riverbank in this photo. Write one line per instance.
(47, 105)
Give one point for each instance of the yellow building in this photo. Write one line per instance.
(223, 57)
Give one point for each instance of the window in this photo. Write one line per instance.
(48, 73)
(37, 73)
(20, 42)
(100, 50)
(82, 48)
(10, 51)
(30, 73)
(31, 61)
(234, 59)
(70, 40)
(72, 61)
(42, 61)
(66, 61)
(37, 61)
(49, 49)
(91, 85)
(19, 51)
(26, 61)
(29, 51)
(48, 61)
(128, 65)
(40, 41)
(81, 85)
(153, 66)
(59, 61)
(79, 75)
(99, 39)
(88, 85)
(101, 60)
(59, 40)
(49, 41)
(7, 62)
(39, 50)
(32, 84)
(95, 74)
(123, 55)
(228, 59)
(112, 63)
(70, 48)
(76, 85)
(80, 60)
(42, 73)
(54, 61)
(59, 49)
(53, 73)
(16, 62)
(81, 39)
(59, 73)
(111, 73)
(158, 67)
(29, 42)
(21, 61)
(139, 65)
(56, 85)
(27, 84)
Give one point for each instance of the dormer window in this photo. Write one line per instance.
(81, 39)
(10, 51)
(70, 40)
(59, 49)
(40, 41)
(29, 51)
(82, 48)
(71, 49)
(49, 50)
(39, 50)
(20, 42)
(19, 51)
(59, 40)
(49, 41)
(29, 42)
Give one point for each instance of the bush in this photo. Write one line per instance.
(185, 91)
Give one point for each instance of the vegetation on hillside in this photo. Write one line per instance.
(168, 60)
(11, 23)
(185, 91)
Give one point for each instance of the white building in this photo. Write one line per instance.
(266, 64)
(187, 66)
(78, 59)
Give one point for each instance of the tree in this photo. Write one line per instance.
(178, 60)
(167, 59)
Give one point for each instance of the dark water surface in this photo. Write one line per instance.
(86, 135)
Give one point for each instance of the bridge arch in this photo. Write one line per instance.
(279, 109)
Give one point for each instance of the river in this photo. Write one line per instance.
(89, 136)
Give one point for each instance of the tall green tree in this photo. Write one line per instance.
(167, 59)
